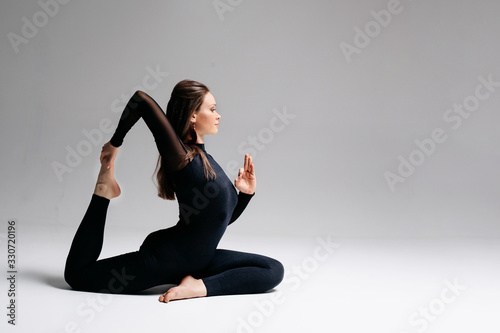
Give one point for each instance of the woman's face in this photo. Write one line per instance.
(206, 119)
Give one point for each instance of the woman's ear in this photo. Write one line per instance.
(193, 120)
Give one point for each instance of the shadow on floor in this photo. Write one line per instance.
(58, 282)
(52, 280)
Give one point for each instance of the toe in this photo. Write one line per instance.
(169, 296)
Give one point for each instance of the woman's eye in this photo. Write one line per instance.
(213, 110)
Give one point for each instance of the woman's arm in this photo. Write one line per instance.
(169, 145)
(243, 200)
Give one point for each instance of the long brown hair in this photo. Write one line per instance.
(186, 98)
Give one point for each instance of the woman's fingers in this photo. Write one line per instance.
(248, 163)
(251, 168)
(103, 153)
(248, 168)
(245, 165)
(245, 182)
(109, 152)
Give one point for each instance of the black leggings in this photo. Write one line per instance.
(229, 272)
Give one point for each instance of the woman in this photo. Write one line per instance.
(185, 254)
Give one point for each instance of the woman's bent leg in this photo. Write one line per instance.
(125, 273)
(233, 272)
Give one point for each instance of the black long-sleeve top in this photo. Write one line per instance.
(206, 207)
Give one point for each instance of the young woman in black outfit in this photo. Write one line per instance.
(185, 254)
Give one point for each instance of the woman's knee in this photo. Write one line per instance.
(71, 279)
(76, 281)
(277, 272)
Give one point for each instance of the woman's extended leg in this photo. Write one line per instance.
(229, 273)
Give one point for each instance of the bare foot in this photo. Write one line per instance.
(189, 288)
(106, 185)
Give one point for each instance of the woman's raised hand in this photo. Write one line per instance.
(108, 152)
(246, 181)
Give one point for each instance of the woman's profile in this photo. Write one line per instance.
(185, 254)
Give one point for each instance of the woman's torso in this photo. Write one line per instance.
(205, 208)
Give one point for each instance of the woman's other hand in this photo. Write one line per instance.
(108, 152)
(246, 181)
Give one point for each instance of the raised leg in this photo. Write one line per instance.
(106, 185)
(125, 273)
(87, 243)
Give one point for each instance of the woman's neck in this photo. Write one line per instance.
(200, 138)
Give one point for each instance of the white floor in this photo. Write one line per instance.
(331, 285)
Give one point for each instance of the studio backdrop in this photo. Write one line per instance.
(364, 118)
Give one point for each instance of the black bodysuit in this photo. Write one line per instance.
(206, 208)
